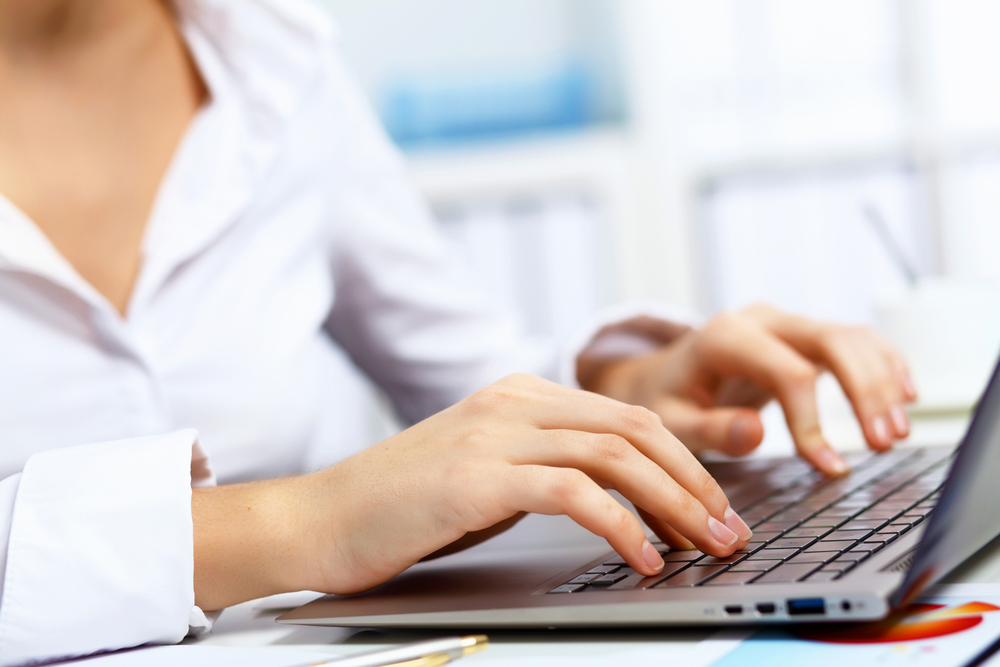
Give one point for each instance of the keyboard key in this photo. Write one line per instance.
(838, 511)
(850, 557)
(827, 547)
(751, 547)
(886, 536)
(793, 515)
(731, 578)
(845, 566)
(764, 535)
(912, 519)
(615, 561)
(858, 501)
(814, 504)
(681, 556)
(863, 524)
(791, 542)
(896, 503)
(612, 578)
(755, 565)
(774, 527)
(787, 572)
(726, 560)
(808, 532)
(825, 522)
(848, 535)
(760, 512)
(866, 547)
(603, 569)
(692, 575)
(585, 578)
(876, 514)
(822, 576)
(773, 554)
(814, 557)
(636, 580)
(568, 588)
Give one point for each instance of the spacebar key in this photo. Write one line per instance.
(637, 580)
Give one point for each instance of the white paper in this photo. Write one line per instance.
(689, 654)
(205, 656)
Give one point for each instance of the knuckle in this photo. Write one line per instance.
(705, 485)
(492, 399)
(686, 505)
(636, 418)
(623, 521)
(802, 375)
(519, 380)
(567, 484)
(612, 449)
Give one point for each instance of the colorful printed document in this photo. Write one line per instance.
(945, 629)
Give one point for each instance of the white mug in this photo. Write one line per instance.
(949, 332)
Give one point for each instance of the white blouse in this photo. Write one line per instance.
(285, 239)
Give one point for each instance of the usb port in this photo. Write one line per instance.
(734, 609)
(765, 607)
(806, 606)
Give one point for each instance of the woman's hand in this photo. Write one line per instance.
(520, 445)
(709, 384)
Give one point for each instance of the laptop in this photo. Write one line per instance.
(848, 549)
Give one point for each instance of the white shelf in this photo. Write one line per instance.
(594, 159)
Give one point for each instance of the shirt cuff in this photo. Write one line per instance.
(626, 330)
(100, 553)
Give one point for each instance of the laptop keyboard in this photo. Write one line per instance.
(808, 529)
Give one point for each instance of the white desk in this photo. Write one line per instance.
(249, 625)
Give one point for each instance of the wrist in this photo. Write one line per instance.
(248, 541)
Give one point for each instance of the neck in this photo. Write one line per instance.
(39, 28)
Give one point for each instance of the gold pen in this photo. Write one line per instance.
(429, 653)
(432, 660)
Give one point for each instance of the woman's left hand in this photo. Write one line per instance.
(709, 384)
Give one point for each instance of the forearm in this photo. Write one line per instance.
(249, 540)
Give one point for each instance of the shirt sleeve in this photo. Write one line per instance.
(408, 309)
(98, 549)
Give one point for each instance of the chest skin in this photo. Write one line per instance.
(92, 114)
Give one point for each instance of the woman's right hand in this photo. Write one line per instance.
(522, 444)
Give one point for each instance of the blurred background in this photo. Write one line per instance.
(828, 156)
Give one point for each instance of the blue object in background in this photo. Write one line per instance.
(444, 111)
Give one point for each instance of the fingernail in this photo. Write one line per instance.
(900, 420)
(651, 557)
(909, 387)
(832, 463)
(720, 532)
(880, 427)
(737, 525)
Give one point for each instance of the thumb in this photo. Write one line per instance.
(731, 431)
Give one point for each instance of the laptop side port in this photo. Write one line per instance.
(765, 607)
(805, 606)
(734, 609)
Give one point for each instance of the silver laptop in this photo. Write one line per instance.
(823, 550)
